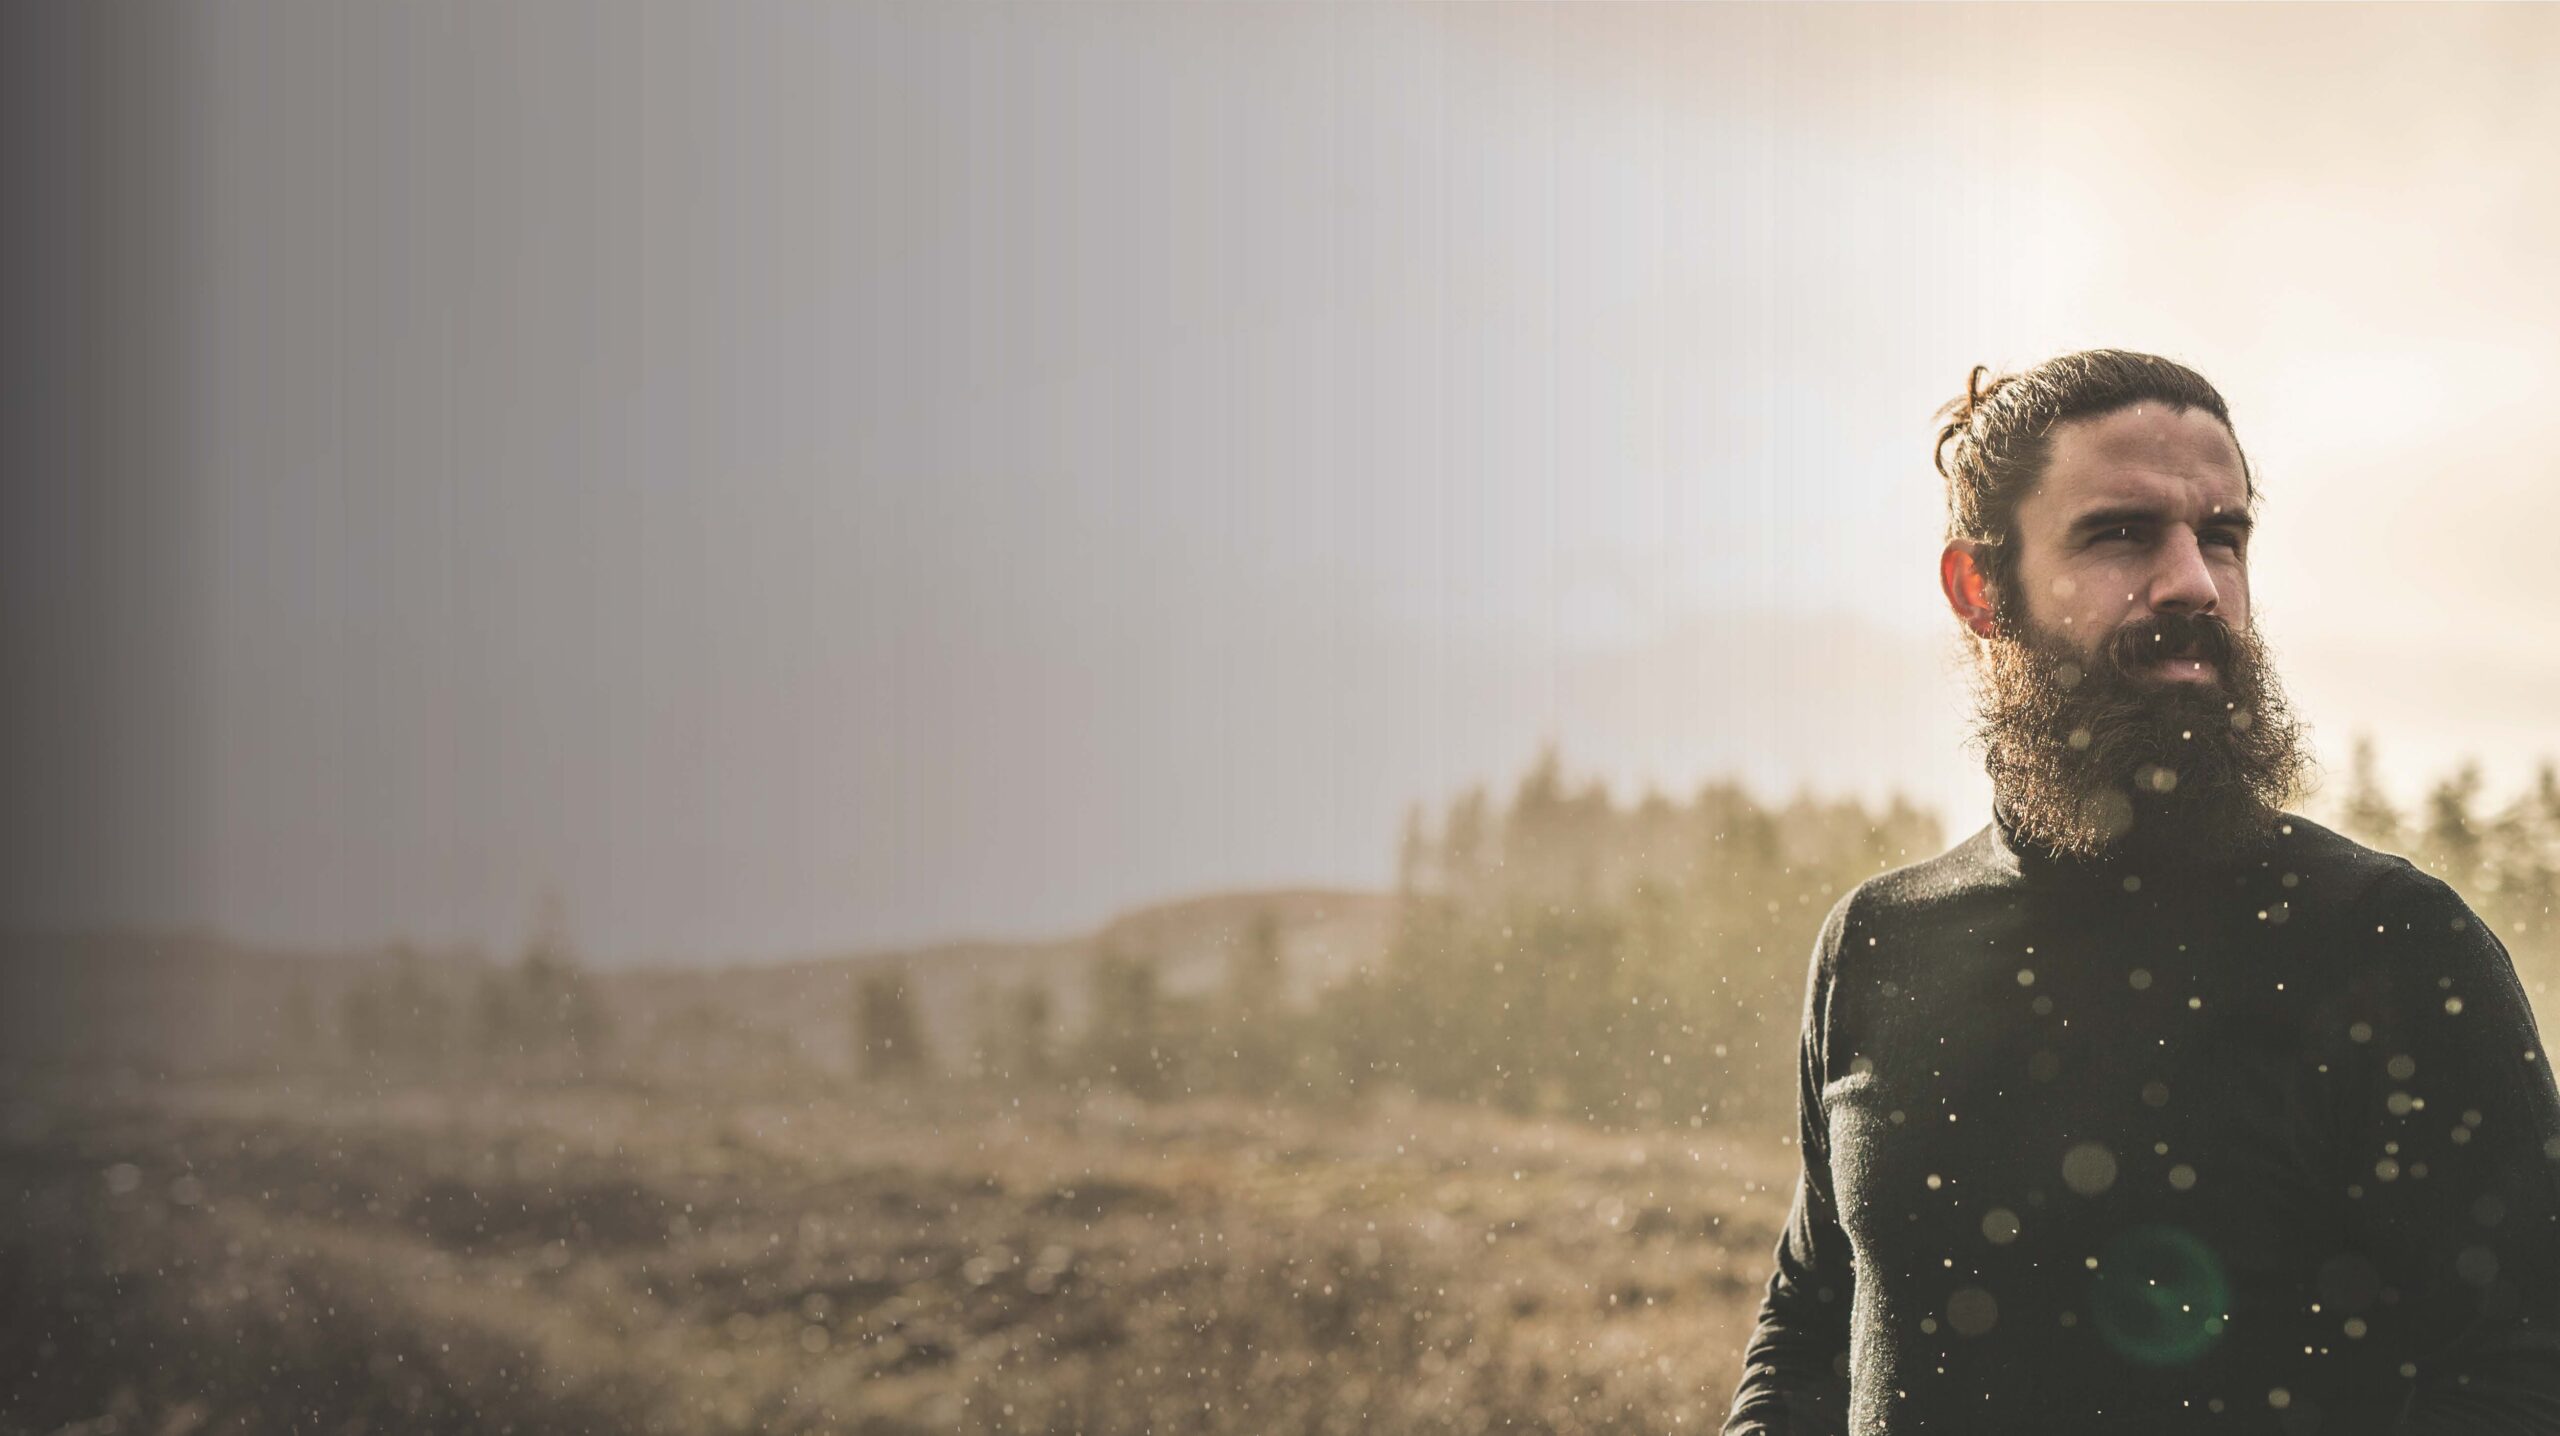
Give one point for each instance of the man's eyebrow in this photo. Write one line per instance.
(2139, 514)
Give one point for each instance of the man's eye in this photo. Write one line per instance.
(2120, 531)
(2225, 538)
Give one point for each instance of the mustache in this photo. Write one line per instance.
(2189, 635)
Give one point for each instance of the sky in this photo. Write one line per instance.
(797, 479)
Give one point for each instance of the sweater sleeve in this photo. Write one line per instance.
(2453, 1127)
(1795, 1369)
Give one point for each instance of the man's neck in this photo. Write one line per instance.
(2162, 837)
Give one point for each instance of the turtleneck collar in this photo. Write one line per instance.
(2127, 868)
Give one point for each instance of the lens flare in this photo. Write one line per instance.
(2159, 1296)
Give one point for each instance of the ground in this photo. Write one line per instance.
(309, 1255)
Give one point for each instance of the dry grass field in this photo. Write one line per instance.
(270, 1257)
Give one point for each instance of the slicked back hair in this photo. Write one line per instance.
(1997, 437)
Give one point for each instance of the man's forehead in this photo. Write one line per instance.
(2148, 453)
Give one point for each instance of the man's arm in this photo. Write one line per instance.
(2453, 1127)
(1795, 1370)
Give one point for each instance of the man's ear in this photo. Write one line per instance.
(1967, 587)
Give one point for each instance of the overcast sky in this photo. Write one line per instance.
(798, 478)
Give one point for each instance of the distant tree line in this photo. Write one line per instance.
(2503, 858)
(1556, 952)
(1137, 1036)
(416, 1017)
(1564, 952)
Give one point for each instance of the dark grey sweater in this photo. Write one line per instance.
(2103, 1147)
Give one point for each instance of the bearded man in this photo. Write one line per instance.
(2151, 1106)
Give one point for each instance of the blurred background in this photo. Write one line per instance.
(1109, 718)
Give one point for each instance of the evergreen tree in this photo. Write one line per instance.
(987, 1031)
(417, 1013)
(500, 1024)
(889, 1037)
(2520, 879)
(2367, 814)
(544, 1010)
(1029, 1047)
(2451, 844)
(567, 1014)
(361, 1023)
(1256, 1025)
(1413, 854)
(1463, 839)
(1126, 1041)
(298, 1035)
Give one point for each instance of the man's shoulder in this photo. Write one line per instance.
(2383, 908)
(2319, 868)
(2323, 869)
(1971, 865)
(1890, 898)
(2410, 950)
(2309, 841)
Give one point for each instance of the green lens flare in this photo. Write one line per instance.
(2159, 1296)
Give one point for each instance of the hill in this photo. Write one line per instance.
(185, 1004)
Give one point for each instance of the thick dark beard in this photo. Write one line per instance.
(2091, 757)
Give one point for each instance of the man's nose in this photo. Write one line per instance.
(2183, 584)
